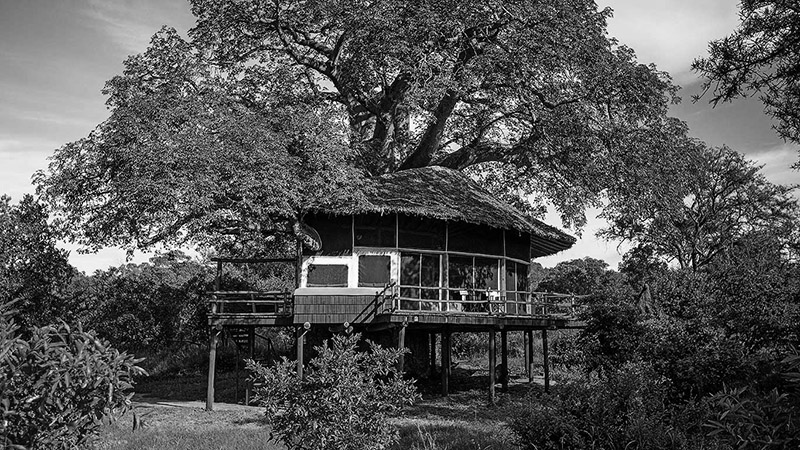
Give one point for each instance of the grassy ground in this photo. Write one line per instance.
(171, 410)
(185, 425)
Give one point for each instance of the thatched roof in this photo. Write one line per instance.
(447, 194)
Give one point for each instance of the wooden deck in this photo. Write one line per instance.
(379, 308)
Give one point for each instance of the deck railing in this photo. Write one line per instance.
(256, 303)
(488, 302)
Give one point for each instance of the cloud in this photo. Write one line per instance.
(671, 33)
(121, 22)
(777, 163)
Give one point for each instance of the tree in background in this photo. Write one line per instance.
(726, 198)
(272, 107)
(761, 56)
(34, 273)
(149, 306)
(584, 276)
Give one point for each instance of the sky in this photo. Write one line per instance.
(55, 57)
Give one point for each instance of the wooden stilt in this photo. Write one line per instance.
(301, 335)
(492, 365)
(238, 371)
(504, 359)
(445, 363)
(545, 361)
(401, 345)
(527, 341)
(433, 355)
(212, 363)
(251, 344)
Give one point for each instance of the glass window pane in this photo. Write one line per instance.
(430, 294)
(511, 279)
(326, 275)
(430, 270)
(375, 230)
(407, 305)
(431, 306)
(522, 277)
(486, 271)
(414, 232)
(374, 270)
(460, 272)
(409, 292)
(409, 269)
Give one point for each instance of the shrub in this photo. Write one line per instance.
(624, 409)
(748, 419)
(342, 403)
(58, 385)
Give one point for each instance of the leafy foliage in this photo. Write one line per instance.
(625, 409)
(183, 159)
(725, 198)
(34, 273)
(342, 402)
(58, 384)
(762, 56)
(148, 306)
(272, 107)
(748, 419)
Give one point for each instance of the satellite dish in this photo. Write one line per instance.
(308, 236)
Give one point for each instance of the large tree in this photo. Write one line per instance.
(723, 200)
(761, 56)
(273, 106)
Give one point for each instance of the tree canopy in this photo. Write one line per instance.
(34, 273)
(725, 198)
(761, 56)
(271, 107)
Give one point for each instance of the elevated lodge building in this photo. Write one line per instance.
(430, 253)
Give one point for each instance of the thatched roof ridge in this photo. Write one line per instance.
(447, 194)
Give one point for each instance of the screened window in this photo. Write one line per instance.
(336, 233)
(375, 230)
(420, 276)
(374, 270)
(516, 287)
(470, 238)
(471, 280)
(518, 245)
(325, 275)
(419, 233)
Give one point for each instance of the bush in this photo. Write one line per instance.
(626, 408)
(58, 385)
(748, 419)
(342, 403)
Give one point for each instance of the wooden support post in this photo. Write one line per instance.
(299, 264)
(433, 355)
(251, 344)
(527, 338)
(504, 359)
(301, 335)
(212, 363)
(492, 365)
(238, 372)
(445, 363)
(401, 345)
(545, 361)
